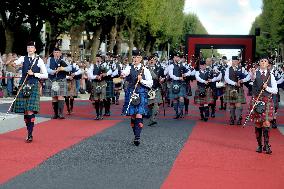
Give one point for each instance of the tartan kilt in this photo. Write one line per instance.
(31, 103)
(208, 99)
(142, 108)
(182, 91)
(109, 89)
(241, 95)
(158, 98)
(267, 115)
(71, 87)
(95, 96)
(62, 88)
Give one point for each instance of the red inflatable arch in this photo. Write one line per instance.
(245, 42)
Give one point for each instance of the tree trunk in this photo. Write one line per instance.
(152, 45)
(112, 40)
(75, 41)
(10, 38)
(119, 42)
(95, 43)
(51, 42)
(130, 44)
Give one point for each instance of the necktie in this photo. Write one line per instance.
(263, 76)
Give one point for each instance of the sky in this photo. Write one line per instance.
(231, 17)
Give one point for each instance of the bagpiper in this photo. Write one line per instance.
(56, 85)
(279, 77)
(177, 91)
(203, 94)
(220, 85)
(107, 64)
(116, 67)
(155, 93)
(71, 86)
(139, 82)
(264, 86)
(187, 80)
(28, 99)
(235, 76)
(214, 75)
(97, 73)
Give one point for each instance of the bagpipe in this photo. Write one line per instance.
(259, 106)
(135, 98)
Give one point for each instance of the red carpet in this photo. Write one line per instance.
(50, 137)
(217, 156)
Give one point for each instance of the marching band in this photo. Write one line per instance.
(149, 84)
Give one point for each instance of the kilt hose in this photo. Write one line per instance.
(241, 95)
(208, 99)
(267, 115)
(30, 103)
(62, 88)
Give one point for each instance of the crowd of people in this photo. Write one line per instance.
(148, 83)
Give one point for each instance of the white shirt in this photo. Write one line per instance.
(52, 72)
(148, 81)
(273, 89)
(78, 72)
(43, 72)
(171, 73)
(91, 75)
(230, 82)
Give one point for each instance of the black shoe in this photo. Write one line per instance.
(239, 122)
(97, 118)
(29, 139)
(267, 149)
(232, 122)
(212, 115)
(259, 149)
(153, 123)
(273, 124)
(136, 142)
(101, 117)
(55, 117)
(61, 117)
(205, 119)
(177, 116)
